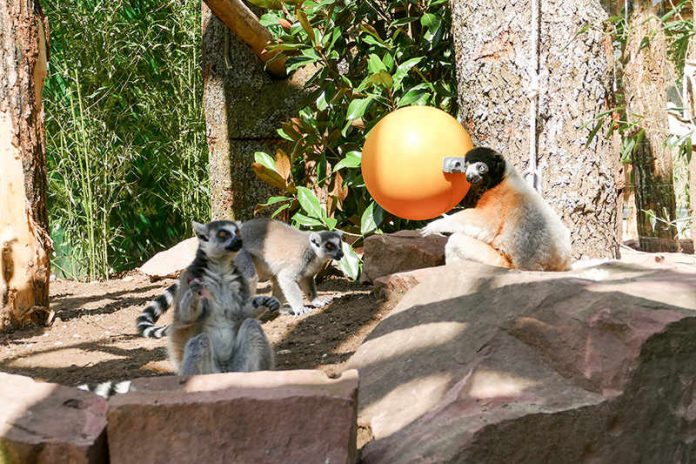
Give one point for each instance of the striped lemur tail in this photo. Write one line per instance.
(107, 389)
(152, 312)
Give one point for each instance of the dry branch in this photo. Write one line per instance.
(245, 25)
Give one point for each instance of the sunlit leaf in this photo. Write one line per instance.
(357, 108)
(264, 159)
(309, 202)
(350, 263)
(351, 160)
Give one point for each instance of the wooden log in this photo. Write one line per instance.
(25, 245)
(245, 25)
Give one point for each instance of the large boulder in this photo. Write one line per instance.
(484, 365)
(48, 423)
(259, 417)
(169, 263)
(399, 252)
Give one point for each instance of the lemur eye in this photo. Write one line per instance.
(482, 168)
(223, 235)
(330, 246)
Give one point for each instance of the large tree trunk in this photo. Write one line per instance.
(691, 105)
(493, 46)
(645, 90)
(24, 241)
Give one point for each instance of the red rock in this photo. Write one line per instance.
(399, 252)
(258, 417)
(394, 286)
(171, 262)
(48, 423)
(485, 365)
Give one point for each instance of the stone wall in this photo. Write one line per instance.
(261, 417)
(244, 107)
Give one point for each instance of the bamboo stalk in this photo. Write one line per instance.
(244, 24)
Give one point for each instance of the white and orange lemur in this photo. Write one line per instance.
(505, 222)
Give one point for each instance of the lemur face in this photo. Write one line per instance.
(484, 167)
(219, 239)
(327, 244)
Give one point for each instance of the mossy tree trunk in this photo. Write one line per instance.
(645, 89)
(25, 245)
(493, 46)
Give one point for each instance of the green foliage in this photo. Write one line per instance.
(125, 131)
(370, 59)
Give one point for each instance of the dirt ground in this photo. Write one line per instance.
(93, 337)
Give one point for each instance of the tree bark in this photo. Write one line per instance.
(691, 105)
(645, 90)
(493, 51)
(25, 245)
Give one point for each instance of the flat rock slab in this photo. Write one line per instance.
(393, 287)
(170, 263)
(399, 252)
(48, 423)
(258, 417)
(484, 365)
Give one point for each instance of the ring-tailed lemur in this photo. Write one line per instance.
(214, 327)
(506, 222)
(290, 258)
(272, 250)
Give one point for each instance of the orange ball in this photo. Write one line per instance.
(402, 162)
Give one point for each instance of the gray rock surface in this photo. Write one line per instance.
(483, 365)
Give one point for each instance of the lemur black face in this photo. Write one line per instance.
(219, 237)
(327, 244)
(484, 167)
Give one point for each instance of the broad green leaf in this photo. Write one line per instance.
(265, 159)
(280, 210)
(274, 200)
(307, 221)
(357, 108)
(375, 65)
(350, 263)
(330, 223)
(403, 69)
(388, 61)
(351, 160)
(309, 202)
(371, 218)
(322, 104)
(414, 95)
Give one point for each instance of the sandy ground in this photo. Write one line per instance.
(93, 338)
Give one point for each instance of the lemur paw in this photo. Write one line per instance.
(300, 311)
(271, 303)
(436, 227)
(320, 301)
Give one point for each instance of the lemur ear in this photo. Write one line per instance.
(201, 230)
(315, 238)
(339, 233)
